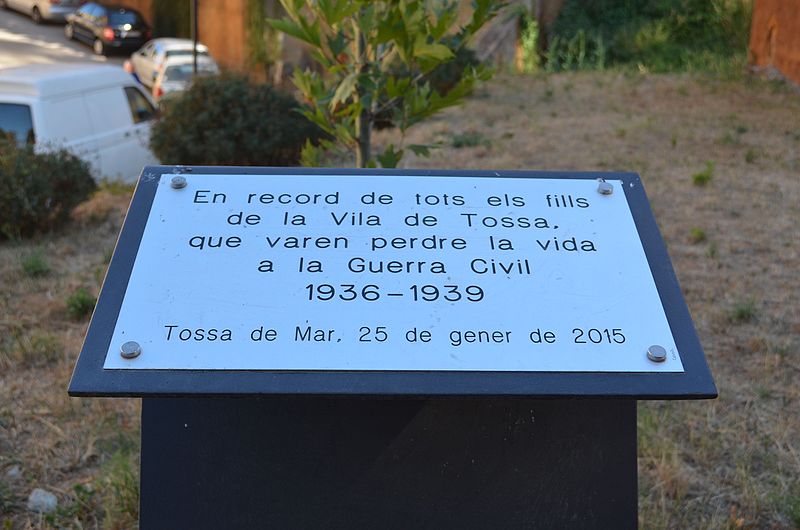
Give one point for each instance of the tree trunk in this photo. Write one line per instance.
(364, 122)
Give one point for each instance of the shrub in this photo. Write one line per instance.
(229, 120)
(35, 265)
(701, 178)
(469, 139)
(697, 235)
(80, 303)
(742, 311)
(663, 35)
(38, 190)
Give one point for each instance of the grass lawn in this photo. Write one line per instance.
(720, 161)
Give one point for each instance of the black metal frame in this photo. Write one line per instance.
(91, 379)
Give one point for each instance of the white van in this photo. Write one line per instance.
(98, 112)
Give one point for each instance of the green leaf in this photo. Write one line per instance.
(345, 89)
(288, 27)
(421, 150)
(425, 50)
(390, 158)
(337, 44)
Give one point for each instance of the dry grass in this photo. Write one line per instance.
(733, 462)
(729, 463)
(68, 446)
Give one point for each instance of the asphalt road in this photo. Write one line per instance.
(23, 42)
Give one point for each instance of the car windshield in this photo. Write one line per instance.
(183, 53)
(119, 18)
(184, 72)
(16, 123)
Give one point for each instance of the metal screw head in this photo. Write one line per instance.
(178, 182)
(604, 188)
(656, 353)
(130, 350)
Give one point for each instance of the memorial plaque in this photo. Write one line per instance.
(383, 282)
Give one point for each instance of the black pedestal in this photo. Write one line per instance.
(319, 462)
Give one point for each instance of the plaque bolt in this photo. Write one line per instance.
(656, 353)
(130, 350)
(178, 182)
(604, 188)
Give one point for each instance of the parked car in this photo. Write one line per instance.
(97, 112)
(150, 59)
(107, 28)
(42, 10)
(176, 74)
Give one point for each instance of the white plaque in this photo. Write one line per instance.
(386, 273)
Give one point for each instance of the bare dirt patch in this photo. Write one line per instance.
(734, 241)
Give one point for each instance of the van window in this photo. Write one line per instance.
(16, 122)
(141, 109)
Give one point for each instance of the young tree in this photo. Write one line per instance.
(378, 57)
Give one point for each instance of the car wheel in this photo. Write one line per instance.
(69, 31)
(36, 15)
(98, 47)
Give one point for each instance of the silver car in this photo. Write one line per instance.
(178, 73)
(41, 10)
(151, 58)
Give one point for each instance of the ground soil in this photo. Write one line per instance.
(734, 241)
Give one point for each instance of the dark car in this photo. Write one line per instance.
(107, 28)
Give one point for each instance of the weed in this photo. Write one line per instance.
(712, 251)
(5, 497)
(37, 349)
(697, 235)
(792, 508)
(120, 487)
(35, 265)
(764, 393)
(742, 311)
(701, 178)
(583, 51)
(469, 139)
(81, 508)
(116, 187)
(729, 138)
(620, 132)
(529, 40)
(80, 303)
(674, 140)
(750, 155)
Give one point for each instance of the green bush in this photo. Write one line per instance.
(39, 190)
(80, 303)
(229, 120)
(660, 35)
